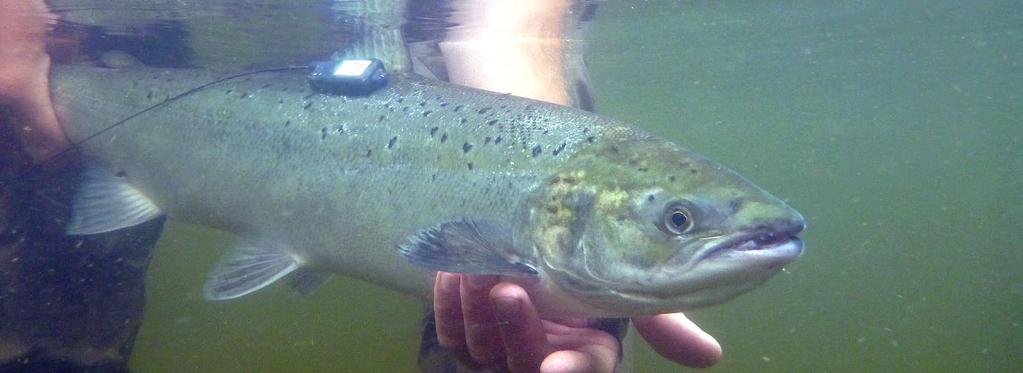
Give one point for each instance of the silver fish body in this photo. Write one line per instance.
(336, 183)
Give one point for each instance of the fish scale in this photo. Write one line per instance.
(592, 216)
(253, 134)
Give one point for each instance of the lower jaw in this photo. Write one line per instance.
(781, 250)
(699, 298)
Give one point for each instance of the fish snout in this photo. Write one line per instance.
(780, 229)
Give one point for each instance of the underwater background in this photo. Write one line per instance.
(896, 128)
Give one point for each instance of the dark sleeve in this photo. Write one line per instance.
(67, 303)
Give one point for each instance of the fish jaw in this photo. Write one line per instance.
(724, 268)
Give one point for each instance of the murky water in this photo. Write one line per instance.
(896, 129)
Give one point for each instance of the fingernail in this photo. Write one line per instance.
(507, 309)
(449, 282)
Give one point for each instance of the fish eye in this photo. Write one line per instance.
(677, 219)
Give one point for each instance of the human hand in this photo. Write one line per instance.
(486, 323)
(24, 84)
(491, 324)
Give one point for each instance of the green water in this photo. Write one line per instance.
(896, 129)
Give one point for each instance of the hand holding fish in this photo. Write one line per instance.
(24, 81)
(486, 323)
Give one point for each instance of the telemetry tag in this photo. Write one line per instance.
(348, 77)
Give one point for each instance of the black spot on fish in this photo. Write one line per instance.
(692, 171)
(459, 108)
(491, 122)
(422, 103)
(229, 91)
(462, 120)
(405, 109)
(735, 204)
(672, 178)
(650, 198)
(433, 177)
(390, 143)
(470, 166)
(586, 130)
(444, 137)
(497, 140)
(643, 169)
(369, 152)
(381, 118)
(287, 122)
(427, 113)
(484, 110)
(121, 173)
(537, 151)
(433, 130)
(559, 149)
(486, 140)
(307, 105)
(401, 99)
(466, 147)
(442, 104)
(323, 133)
(280, 101)
(591, 139)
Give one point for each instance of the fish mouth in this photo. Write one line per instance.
(728, 266)
(777, 247)
(765, 246)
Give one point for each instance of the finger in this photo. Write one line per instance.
(588, 359)
(677, 338)
(447, 312)
(563, 337)
(481, 333)
(521, 330)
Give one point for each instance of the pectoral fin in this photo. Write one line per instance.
(467, 246)
(106, 202)
(246, 269)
